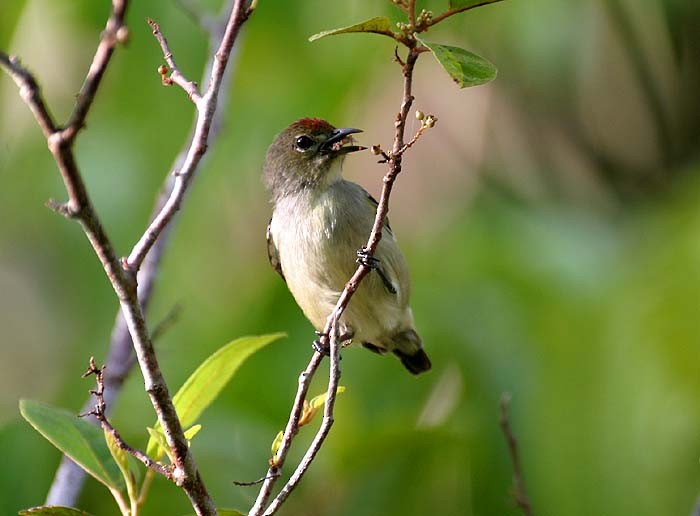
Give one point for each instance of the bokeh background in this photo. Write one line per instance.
(551, 221)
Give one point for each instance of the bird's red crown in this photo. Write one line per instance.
(313, 125)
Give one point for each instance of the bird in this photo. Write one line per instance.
(320, 222)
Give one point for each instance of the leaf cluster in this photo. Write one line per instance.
(464, 67)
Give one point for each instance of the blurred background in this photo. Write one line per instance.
(551, 222)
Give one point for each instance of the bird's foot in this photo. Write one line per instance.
(322, 344)
(366, 259)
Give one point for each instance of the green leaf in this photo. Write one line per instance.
(318, 401)
(378, 25)
(80, 440)
(119, 455)
(277, 443)
(313, 406)
(465, 68)
(205, 384)
(192, 431)
(53, 510)
(160, 445)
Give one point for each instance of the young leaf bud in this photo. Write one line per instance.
(123, 35)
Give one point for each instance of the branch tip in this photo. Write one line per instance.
(518, 486)
(64, 209)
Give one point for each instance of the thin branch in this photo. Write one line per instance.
(324, 429)
(99, 411)
(115, 32)
(206, 107)
(519, 494)
(451, 12)
(69, 477)
(290, 432)
(166, 322)
(29, 91)
(426, 123)
(394, 163)
(411, 10)
(176, 76)
(253, 483)
(79, 206)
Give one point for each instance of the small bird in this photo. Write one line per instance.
(315, 238)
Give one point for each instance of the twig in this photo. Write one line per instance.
(519, 494)
(290, 432)
(394, 163)
(451, 12)
(206, 106)
(166, 322)
(69, 477)
(79, 206)
(115, 32)
(252, 483)
(324, 429)
(176, 76)
(99, 411)
(29, 91)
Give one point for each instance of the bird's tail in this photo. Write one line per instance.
(408, 346)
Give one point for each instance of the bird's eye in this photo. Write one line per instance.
(303, 142)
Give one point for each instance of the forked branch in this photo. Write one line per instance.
(79, 207)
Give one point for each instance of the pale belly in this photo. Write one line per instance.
(317, 253)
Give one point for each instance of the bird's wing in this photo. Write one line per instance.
(385, 269)
(374, 204)
(272, 253)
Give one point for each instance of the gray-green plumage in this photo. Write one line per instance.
(319, 222)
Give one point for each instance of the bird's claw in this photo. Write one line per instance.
(366, 259)
(320, 347)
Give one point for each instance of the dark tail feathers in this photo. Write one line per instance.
(408, 346)
(416, 363)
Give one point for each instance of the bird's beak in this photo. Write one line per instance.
(335, 142)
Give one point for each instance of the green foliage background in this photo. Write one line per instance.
(551, 221)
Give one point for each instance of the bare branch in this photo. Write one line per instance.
(315, 446)
(206, 106)
(452, 12)
(79, 206)
(411, 10)
(176, 77)
(99, 411)
(426, 123)
(115, 32)
(29, 91)
(290, 432)
(519, 495)
(69, 477)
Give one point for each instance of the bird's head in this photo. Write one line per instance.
(306, 155)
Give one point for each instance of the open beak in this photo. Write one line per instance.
(337, 139)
